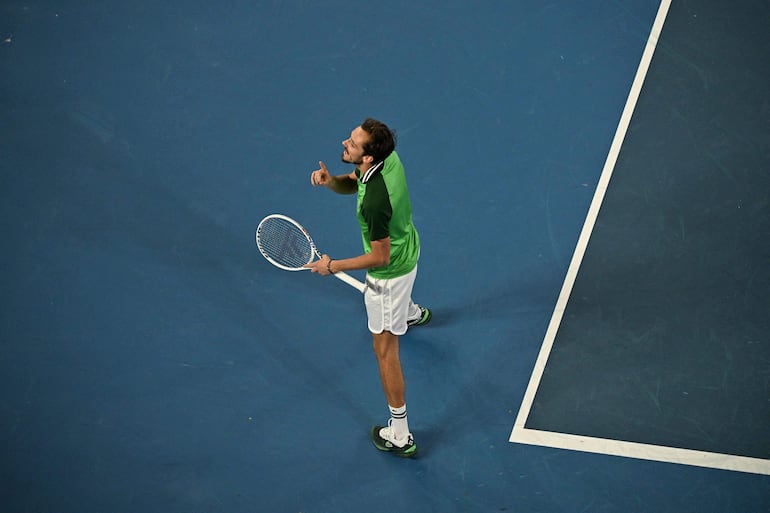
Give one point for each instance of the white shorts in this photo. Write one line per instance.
(389, 303)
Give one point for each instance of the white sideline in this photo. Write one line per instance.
(520, 433)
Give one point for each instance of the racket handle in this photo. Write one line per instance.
(351, 281)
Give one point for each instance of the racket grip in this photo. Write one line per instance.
(351, 281)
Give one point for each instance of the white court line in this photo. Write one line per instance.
(641, 451)
(520, 433)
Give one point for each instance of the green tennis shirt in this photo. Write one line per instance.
(384, 210)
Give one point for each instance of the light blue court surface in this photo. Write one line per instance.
(151, 360)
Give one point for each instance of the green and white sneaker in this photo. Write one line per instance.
(383, 439)
(424, 318)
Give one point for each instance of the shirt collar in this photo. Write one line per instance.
(372, 171)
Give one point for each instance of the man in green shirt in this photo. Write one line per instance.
(391, 250)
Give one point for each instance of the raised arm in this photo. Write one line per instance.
(341, 184)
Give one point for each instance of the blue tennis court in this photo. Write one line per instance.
(152, 360)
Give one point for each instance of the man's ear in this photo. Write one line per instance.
(368, 159)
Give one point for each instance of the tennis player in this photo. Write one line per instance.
(391, 250)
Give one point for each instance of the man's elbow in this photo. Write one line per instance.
(381, 252)
(380, 260)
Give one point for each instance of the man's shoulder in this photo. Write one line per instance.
(392, 160)
(393, 167)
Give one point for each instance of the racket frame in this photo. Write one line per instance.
(361, 287)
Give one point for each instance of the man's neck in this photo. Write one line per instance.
(365, 166)
(370, 171)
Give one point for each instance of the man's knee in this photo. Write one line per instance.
(385, 344)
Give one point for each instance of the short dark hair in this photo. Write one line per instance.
(382, 140)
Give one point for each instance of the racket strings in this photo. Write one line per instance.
(285, 243)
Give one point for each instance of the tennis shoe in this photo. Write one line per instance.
(385, 440)
(424, 318)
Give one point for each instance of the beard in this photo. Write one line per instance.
(348, 160)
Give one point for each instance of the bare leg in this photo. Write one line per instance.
(386, 351)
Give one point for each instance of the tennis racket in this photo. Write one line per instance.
(288, 246)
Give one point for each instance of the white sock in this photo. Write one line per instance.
(398, 422)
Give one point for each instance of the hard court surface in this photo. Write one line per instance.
(151, 360)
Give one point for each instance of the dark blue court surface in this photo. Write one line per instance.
(668, 320)
(151, 360)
